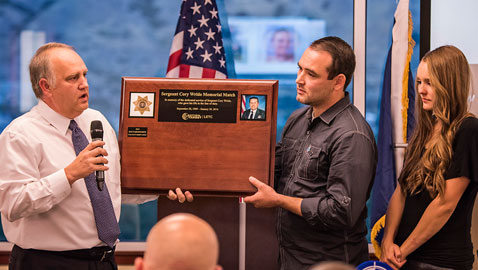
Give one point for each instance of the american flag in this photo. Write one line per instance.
(197, 50)
(243, 104)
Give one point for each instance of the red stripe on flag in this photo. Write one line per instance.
(174, 59)
(208, 73)
(184, 71)
(243, 104)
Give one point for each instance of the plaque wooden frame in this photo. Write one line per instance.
(207, 158)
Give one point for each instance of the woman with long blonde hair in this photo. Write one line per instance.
(429, 215)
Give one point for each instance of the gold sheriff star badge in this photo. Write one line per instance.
(142, 104)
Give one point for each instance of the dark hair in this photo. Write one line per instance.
(343, 57)
(256, 98)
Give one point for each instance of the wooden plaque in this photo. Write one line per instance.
(196, 134)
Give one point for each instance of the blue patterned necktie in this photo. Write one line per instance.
(106, 224)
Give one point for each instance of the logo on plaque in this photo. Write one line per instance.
(141, 104)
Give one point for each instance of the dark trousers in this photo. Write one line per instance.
(99, 258)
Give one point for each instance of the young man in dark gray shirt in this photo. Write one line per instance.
(325, 165)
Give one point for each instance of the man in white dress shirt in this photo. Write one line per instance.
(45, 205)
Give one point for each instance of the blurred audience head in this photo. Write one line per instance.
(332, 265)
(180, 241)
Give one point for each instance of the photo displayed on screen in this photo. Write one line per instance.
(280, 44)
(271, 45)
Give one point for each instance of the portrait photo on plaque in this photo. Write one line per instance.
(141, 104)
(253, 107)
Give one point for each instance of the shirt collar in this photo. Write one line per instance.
(55, 119)
(333, 111)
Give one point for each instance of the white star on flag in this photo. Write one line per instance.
(210, 34)
(189, 54)
(217, 48)
(196, 8)
(206, 56)
(203, 21)
(222, 61)
(213, 13)
(207, 2)
(192, 31)
(218, 27)
(199, 43)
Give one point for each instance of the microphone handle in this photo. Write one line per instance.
(100, 175)
(100, 179)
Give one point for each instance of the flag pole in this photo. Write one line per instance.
(242, 234)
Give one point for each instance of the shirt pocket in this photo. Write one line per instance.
(313, 159)
(287, 153)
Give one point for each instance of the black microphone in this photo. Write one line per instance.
(96, 130)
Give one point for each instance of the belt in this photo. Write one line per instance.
(93, 254)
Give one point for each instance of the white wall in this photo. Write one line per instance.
(454, 23)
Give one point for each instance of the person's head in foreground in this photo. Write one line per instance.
(332, 265)
(180, 241)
